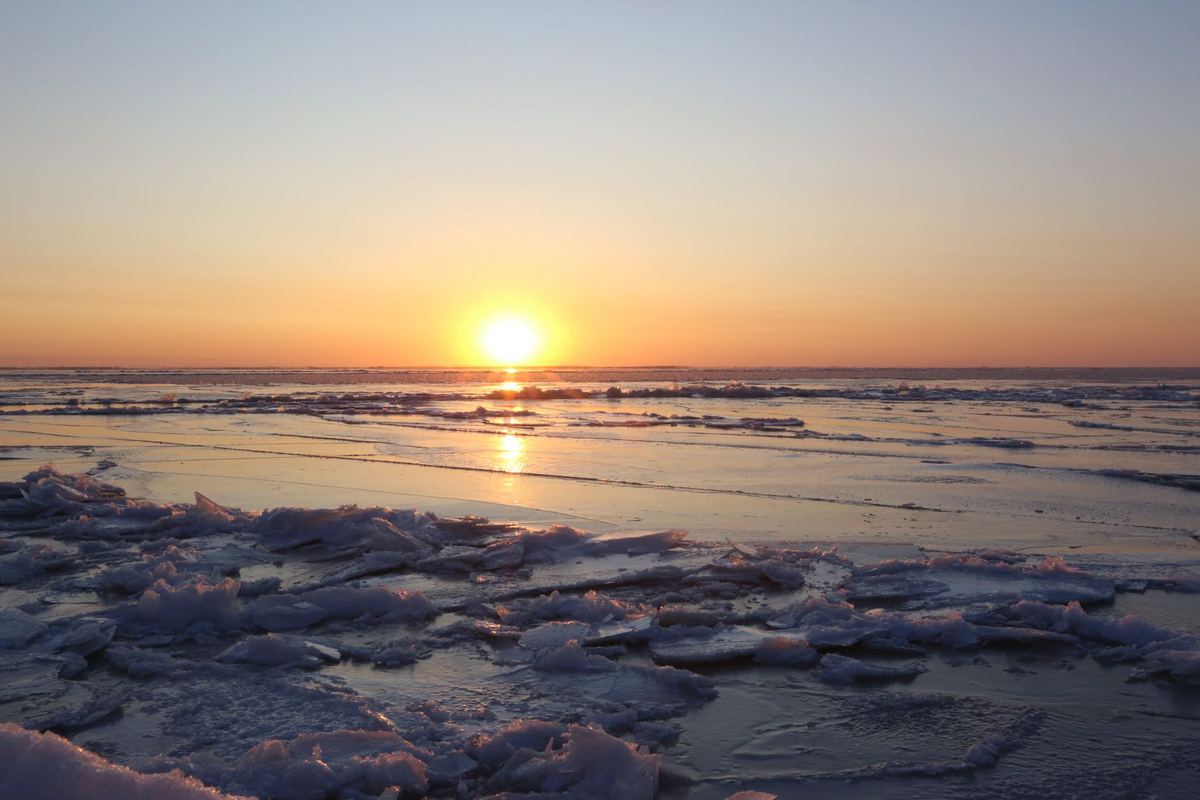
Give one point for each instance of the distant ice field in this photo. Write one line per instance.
(1051, 464)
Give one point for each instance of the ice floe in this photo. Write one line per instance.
(41, 766)
(844, 669)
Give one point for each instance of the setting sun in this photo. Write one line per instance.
(509, 341)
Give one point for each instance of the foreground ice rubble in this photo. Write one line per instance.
(261, 646)
(45, 765)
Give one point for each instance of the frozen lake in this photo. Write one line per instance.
(891, 584)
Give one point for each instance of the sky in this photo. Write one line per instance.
(848, 183)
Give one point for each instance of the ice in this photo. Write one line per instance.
(209, 714)
(41, 766)
(970, 579)
(314, 766)
(394, 656)
(277, 650)
(27, 674)
(1182, 665)
(987, 752)
(827, 624)
(571, 657)
(306, 653)
(284, 612)
(134, 579)
(80, 507)
(554, 634)
(80, 636)
(634, 543)
(47, 492)
(17, 627)
(347, 602)
(497, 748)
(590, 765)
(999, 441)
(140, 663)
(949, 630)
(782, 651)
(1191, 482)
(672, 685)
(713, 646)
(843, 669)
(398, 772)
(16, 567)
(175, 563)
(292, 612)
(176, 608)
(1072, 619)
(988, 633)
(260, 586)
(31, 559)
(589, 607)
(97, 707)
(372, 528)
(630, 629)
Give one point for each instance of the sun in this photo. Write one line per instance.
(509, 341)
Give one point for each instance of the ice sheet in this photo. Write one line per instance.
(938, 591)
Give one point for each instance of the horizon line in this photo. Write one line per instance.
(546, 367)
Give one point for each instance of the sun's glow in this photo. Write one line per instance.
(509, 341)
(510, 453)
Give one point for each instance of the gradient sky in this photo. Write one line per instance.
(840, 183)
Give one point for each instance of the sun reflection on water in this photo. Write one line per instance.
(510, 453)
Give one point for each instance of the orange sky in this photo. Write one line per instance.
(763, 187)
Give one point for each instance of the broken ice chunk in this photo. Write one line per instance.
(275, 649)
(554, 634)
(99, 706)
(317, 765)
(967, 579)
(529, 734)
(46, 765)
(82, 636)
(570, 657)
(17, 627)
(296, 611)
(843, 669)
(141, 663)
(175, 608)
(590, 765)
(783, 651)
(1181, 664)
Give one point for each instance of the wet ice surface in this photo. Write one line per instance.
(1041, 466)
(968, 593)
